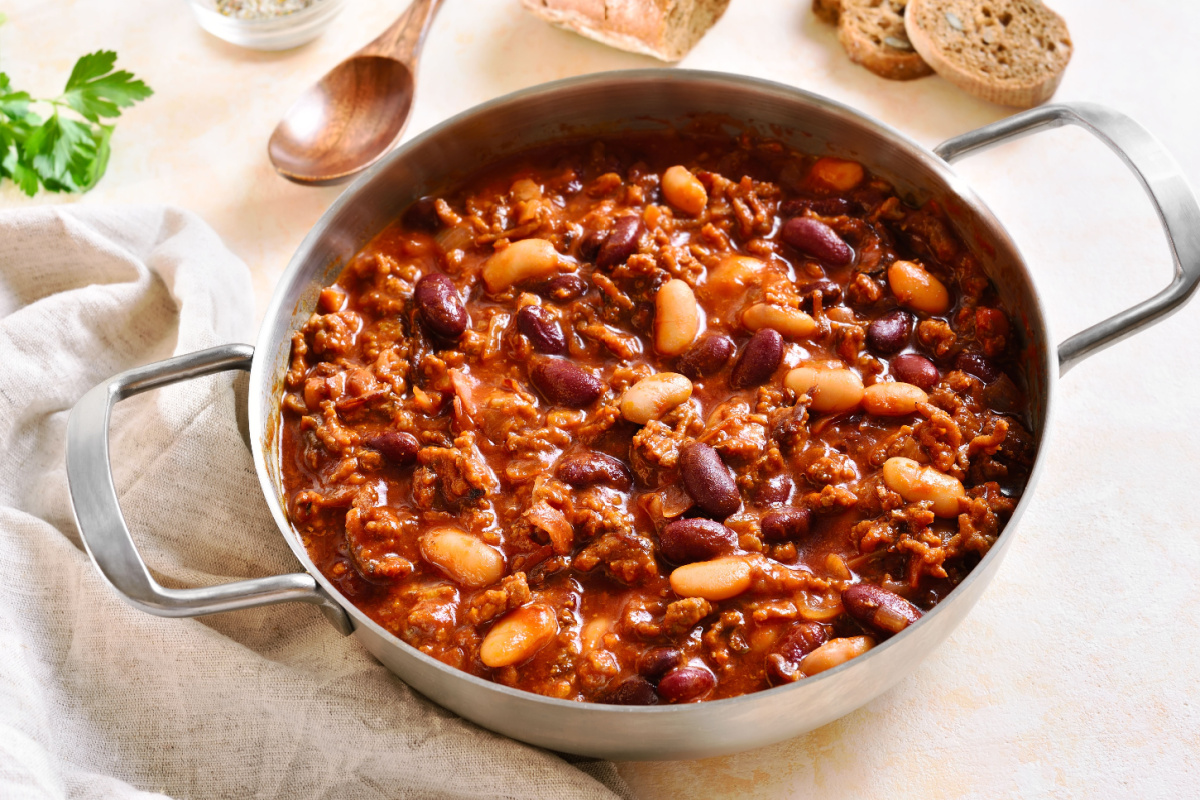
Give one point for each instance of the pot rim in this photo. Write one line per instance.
(261, 431)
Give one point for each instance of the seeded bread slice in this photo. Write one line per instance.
(872, 32)
(1011, 52)
(665, 29)
(827, 10)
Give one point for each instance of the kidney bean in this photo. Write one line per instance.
(590, 244)
(786, 523)
(706, 356)
(565, 287)
(707, 480)
(655, 662)
(686, 540)
(544, 333)
(422, 215)
(633, 691)
(816, 239)
(398, 447)
(758, 360)
(890, 333)
(590, 467)
(831, 291)
(622, 242)
(774, 491)
(686, 683)
(440, 306)
(565, 384)
(979, 366)
(877, 608)
(800, 640)
(915, 369)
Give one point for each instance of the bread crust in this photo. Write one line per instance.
(868, 30)
(827, 10)
(1011, 52)
(664, 29)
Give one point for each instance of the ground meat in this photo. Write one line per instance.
(460, 472)
(555, 525)
(937, 337)
(433, 614)
(625, 557)
(485, 606)
(332, 334)
(682, 616)
(735, 433)
(374, 534)
(654, 452)
(864, 290)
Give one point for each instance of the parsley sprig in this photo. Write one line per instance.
(67, 151)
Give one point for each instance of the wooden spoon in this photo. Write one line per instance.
(356, 113)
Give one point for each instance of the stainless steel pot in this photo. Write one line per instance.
(612, 103)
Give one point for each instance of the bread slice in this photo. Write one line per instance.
(1011, 52)
(665, 29)
(872, 32)
(827, 10)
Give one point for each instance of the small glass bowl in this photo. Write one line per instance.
(274, 33)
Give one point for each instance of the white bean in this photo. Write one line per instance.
(915, 483)
(676, 318)
(518, 636)
(718, 579)
(914, 287)
(653, 396)
(834, 653)
(684, 191)
(791, 322)
(522, 260)
(893, 399)
(734, 274)
(462, 557)
(829, 390)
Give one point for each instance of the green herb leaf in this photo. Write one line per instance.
(12, 104)
(63, 153)
(91, 158)
(95, 91)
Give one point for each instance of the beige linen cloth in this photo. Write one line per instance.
(99, 700)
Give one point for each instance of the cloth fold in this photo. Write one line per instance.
(98, 699)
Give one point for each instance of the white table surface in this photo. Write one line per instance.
(1076, 674)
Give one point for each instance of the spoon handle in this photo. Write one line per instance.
(402, 40)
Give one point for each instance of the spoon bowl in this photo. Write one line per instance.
(345, 122)
(358, 111)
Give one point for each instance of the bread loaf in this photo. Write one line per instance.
(665, 29)
(827, 10)
(872, 33)
(1011, 52)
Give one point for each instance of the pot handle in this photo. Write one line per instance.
(102, 526)
(1159, 175)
